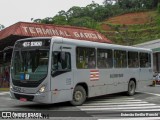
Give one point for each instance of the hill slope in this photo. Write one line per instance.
(132, 28)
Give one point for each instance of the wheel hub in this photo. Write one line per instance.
(78, 96)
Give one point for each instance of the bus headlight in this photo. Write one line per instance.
(42, 89)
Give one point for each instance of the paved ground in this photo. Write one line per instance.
(112, 106)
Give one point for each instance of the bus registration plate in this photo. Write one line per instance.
(23, 99)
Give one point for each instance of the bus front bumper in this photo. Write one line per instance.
(38, 97)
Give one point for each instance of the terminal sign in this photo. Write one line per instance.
(74, 33)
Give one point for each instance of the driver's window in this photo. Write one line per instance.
(61, 62)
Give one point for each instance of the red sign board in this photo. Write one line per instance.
(48, 30)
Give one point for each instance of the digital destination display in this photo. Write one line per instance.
(32, 44)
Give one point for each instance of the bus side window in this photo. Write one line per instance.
(61, 64)
(91, 58)
(145, 61)
(104, 58)
(85, 58)
(120, 59)
(80, 58)
(66, 62)
(133, 61)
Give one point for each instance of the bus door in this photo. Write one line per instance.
(145, 72)
(61, 73)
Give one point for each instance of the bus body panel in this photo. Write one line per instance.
(62, 84)
(59, 88)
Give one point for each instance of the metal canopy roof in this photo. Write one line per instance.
(23, 29)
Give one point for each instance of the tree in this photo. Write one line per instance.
(155, 3)
(74, 12)
(60, 20)
(63, 13)
(1, 27)
(84, 22)
(158, 8)
(47, 20)
(36, 20)
(90, 9)
(134, 4)
(127, 4)
(100, 13)
(148, 4)
(106, 2)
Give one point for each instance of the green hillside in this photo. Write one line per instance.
(132, 28)
(125, 22)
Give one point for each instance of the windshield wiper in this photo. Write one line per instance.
(20, 55)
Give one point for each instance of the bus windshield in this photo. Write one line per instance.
(30, 60)
(30, 65)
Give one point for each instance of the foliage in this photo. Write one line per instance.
(93, 13)
(59, 20)
(133, 36)
(84, 22)
(1, 27)
(158, 8)
(135, 33)
(134, 4)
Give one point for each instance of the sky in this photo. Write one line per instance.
(12, 11)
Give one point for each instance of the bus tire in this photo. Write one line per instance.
(79, 96)
(131, 88)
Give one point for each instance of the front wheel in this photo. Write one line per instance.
(131, 88)
(79, 96)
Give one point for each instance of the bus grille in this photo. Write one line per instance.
(28, 97)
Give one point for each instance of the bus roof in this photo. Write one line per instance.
(102, 45)
(85, 43)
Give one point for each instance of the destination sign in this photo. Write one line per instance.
(32, 44)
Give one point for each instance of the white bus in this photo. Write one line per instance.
(52, 70)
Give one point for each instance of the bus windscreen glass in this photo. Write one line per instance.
(30, 61)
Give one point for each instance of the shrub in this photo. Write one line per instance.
(158, 8)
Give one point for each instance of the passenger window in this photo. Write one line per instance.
(60, 62)
(85, 58)
(145, 61)
(104, 58)
(120, 60)
(133, 61)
